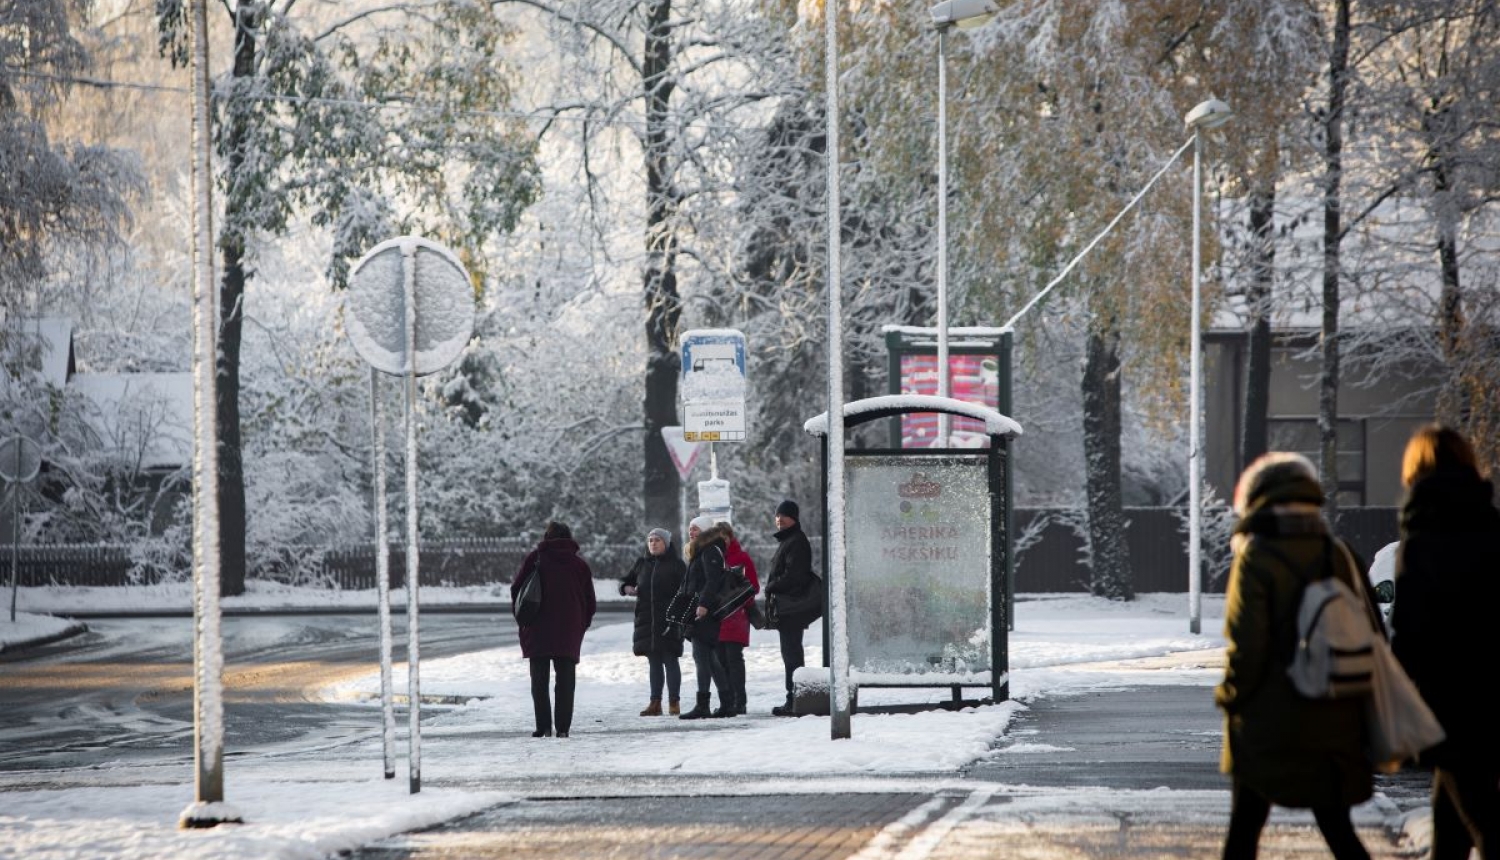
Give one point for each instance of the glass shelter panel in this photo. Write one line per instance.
(919, 565)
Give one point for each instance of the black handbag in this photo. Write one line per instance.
(737, 592)
(798, 610)
(680, 611)
(527, 604)
(757, 615)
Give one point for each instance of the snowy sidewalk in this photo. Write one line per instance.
(299, 802)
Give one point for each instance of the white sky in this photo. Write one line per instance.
(306, 803)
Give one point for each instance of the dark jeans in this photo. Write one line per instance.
(566, 678)
(732, 655)
(665, 670)
(791, 653)
(706, 661)
(1465, 813)
(1248, 812)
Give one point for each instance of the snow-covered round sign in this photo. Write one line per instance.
(444, 304)
(20, 459)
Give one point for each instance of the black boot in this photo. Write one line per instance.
(725, 709)
(786, 710)
(699, 711)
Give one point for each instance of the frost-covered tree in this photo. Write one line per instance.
(1435, 68)
(372, 120)
(59, 199)
(673, 92)
(1275, 49)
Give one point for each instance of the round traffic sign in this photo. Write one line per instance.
(444, 305)
(20, 459)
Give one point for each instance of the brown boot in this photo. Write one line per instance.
(675, 708)
(653, 709)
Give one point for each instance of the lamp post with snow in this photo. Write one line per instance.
(1206, 115)
(964, 14)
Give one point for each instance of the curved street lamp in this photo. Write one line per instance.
(965, 15)
(1205, 115)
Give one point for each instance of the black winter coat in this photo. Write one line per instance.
(656, 578)
(1447, 591)
(705, 576)
(791, 570)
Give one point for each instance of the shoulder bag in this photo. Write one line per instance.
(737, 592)
(527, 604)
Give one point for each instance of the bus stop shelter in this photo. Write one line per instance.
(928, 554)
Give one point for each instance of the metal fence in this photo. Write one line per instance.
(1055, 562)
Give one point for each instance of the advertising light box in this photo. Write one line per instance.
(919, 565)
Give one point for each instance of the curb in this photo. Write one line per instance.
(66, 633)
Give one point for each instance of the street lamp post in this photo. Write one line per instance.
(964, 14)
(1209, 114)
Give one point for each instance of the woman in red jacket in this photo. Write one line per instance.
(734, 631)
(554, 641)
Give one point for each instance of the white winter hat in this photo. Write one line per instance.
(704, 523)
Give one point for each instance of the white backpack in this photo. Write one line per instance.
(1335, 653)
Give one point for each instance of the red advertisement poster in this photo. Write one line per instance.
(975, 379)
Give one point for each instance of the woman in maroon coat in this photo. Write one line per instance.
(554, 641)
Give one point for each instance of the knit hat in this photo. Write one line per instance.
(788, 508)
(704, 523)
(1290, 477)
(666, 536)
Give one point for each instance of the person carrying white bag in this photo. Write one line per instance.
(1447, 594)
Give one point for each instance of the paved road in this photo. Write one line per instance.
(1121, 774)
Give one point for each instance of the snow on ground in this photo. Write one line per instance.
(312, 803)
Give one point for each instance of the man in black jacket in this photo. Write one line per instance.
(792, 584)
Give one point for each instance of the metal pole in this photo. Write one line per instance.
(15, 536)
(383, 580)
(208, 809)
(943, 388)
(837, 620)
(413, 661)
(1195, 397)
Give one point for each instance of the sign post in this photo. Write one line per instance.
(411, 312)
(713, 385)
(20, 461)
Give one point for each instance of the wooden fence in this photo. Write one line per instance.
(1157, 539)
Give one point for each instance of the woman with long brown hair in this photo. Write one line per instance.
(1447, 588)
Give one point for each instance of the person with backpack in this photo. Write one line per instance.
(1447, 587)
(652, 581)
(553, 641)
(1281, 747)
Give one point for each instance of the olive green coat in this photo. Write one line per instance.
(1295, 752)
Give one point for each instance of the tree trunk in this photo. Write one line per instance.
(1451, 404)
(1110, 576)
(232, 515)
(1333, 154)
(1255, 432)
(663, 306)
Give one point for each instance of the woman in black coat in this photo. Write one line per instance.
(705, 576)
(1447, 588)
(652, 581)
(554, 641)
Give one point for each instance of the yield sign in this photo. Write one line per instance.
(684, 454)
